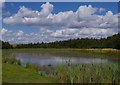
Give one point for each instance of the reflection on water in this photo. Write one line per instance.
(47, 59)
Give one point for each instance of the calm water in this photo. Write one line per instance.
(53, 57)
(47, 59)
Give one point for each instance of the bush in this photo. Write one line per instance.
(28, 65)
(19, 62)
(9, 60)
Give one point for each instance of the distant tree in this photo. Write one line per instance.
(6, 45)
(116, 41)
(109, 42)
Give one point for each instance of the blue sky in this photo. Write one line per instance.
(100, 8)
(13, 7)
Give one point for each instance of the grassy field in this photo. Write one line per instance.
(17, 74)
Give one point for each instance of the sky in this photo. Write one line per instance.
(26, 22)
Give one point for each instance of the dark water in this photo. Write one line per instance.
(48, 59)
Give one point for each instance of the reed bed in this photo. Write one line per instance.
(88, 73)
(77, 73)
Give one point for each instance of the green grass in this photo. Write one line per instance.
(88, 73)
(17, 74)
(83, 73)
(69, 73)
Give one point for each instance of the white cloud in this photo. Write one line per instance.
(85, 11)
(19, 33)
(65, 33)
(46, 9)
(47, 35)
(102, 10)
(84, 32)
(85, 16)
(3, 31)
(84, 22)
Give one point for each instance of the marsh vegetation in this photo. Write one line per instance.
(68, 73)
(104, 70)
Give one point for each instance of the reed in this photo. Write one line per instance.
(79, 73)
(88, 73)
(32, 66)
(12, 60)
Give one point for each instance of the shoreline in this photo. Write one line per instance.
(71, 52)
(74, 49)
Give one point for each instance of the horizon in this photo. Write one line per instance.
(48, 22)
(62, 40)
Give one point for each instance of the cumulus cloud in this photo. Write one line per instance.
(46, 9)
(19, 33)
(84, 22)
(82, 33)
(47, 35)
(84, 16)
(3, 31)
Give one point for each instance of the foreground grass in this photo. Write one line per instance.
(89, 73)
(13, 72)
(17, 74)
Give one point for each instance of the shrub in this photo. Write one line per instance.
(28, 65)
(19, 62)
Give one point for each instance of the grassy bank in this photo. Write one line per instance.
(70, 73)
(64, 74)
(17, 74)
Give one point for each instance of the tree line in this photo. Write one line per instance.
(5, 45)
(109, 42)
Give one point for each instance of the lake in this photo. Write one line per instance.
(56, 57)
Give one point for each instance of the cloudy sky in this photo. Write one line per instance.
(27, 22)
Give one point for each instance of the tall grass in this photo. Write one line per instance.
(32, 66)
(88, 73)
(79, 73)
(11, 60)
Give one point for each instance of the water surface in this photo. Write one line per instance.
(53, 57)
(47, 59)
